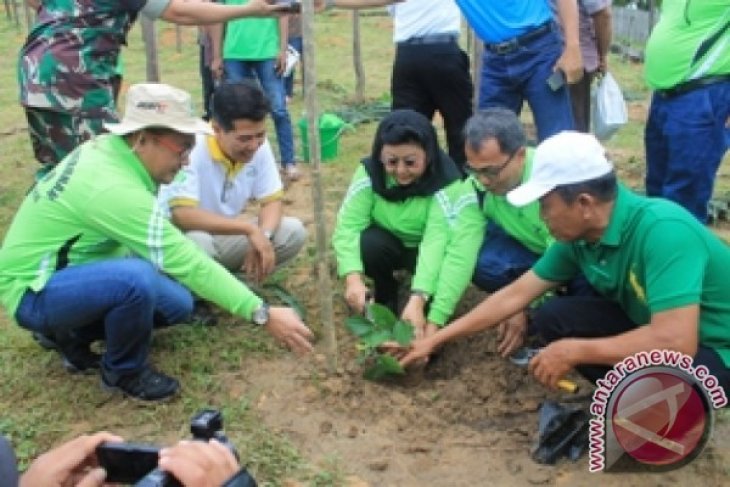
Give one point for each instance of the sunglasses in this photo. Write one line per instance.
(392, 161)
(490, 172)
(180, 150)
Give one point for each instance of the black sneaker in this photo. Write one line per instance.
(203, 315)
(46, 341)
(146, 385)
(79, 359)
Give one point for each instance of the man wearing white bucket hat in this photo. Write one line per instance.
(660, 274)
(89, 251)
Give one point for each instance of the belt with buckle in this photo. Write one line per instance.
(693, 84)
(511, 45)
(430, 39)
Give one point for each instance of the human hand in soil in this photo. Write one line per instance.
(511, 334)
(553, 362)
(260, 259)
(72, 464)
(356, 292)
(288, 328)
(419, 352)
(199, 464)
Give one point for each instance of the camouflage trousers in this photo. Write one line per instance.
(55, 134)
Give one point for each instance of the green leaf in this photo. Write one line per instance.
(359, 325)
(376, 338)
(385, 364)
(403, 333)
(381, 316)
(288, 299)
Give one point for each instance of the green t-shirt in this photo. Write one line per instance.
(447, 228)
(98, 204)
(251, 39)
(691, 40)
(653, 256)
(521, 223)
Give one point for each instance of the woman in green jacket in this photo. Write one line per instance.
(407, 208)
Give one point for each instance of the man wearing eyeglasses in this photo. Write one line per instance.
(227, 170)
(515, 238)
(89, 254)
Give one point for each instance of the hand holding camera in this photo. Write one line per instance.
(209, 460)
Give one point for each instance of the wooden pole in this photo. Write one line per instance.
(326, 314)
(149, 36)
(357, 57)
(178, 39)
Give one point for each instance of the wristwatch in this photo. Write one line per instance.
(421, 294)
(260, 315)
(268, 234)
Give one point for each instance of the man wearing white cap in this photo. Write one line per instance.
(89, 251)
(661, 275)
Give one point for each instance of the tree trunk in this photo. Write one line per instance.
(357, 57)
(149, 36)
(326, 315)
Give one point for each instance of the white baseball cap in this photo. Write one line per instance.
(565, 158)
(158, 105)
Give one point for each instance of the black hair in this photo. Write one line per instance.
(496, 123)
(242, 100)
(602, 188)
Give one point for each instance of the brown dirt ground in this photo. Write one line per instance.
(469, 419)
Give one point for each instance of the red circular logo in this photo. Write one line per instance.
(660, 418)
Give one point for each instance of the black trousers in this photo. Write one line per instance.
(382, 253)
(431, 77)
(595, 317)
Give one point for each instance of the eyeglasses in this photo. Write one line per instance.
(489, 172)
(180, 150)
(392, 161)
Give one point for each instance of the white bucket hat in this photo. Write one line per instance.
(565, 158)
(158, 105)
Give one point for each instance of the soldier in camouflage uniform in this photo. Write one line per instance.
(67, 64)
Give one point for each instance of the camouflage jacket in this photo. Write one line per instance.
(71, 53)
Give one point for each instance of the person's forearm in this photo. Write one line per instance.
(215, 33)
(270, 215)
(190, 219)
(353, 4)
(568, 15)
(495, 309)
(602, 24)
(202, 13)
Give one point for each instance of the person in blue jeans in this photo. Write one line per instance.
(91, 255)
(257, 50)
(522, 49)
(688, 130)
(498, 161)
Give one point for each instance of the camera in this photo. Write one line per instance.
(136, 463)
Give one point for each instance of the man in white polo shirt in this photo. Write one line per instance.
(226, 170)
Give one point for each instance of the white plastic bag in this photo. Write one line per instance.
(609, 108)
(292, 58)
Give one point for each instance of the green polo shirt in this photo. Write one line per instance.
(251, 38)
(690, 41)
(653, 256)
(521, 223)
(99, 204)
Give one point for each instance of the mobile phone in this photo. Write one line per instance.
(289, 6)
(556, 80)
(127, 463)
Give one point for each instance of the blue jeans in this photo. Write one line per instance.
(120, 299)
(509, 79)
(686, 139)
(273, 86)
(502, 259)
(296, 43)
